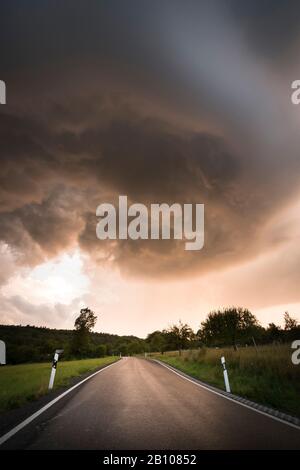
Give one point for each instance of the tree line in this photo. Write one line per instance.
(233, 326)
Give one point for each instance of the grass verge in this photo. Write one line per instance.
(25, 382)
(265, 375)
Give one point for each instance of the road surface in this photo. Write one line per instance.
(138, 404)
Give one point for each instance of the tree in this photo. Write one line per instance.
(291, 328)
(86, 320)
(157, 341)
(135, 347)
(228, 326)
(84, 323)
(123, 349)
(101, 350)
(289, 322)
(179, 336)
(273, 333)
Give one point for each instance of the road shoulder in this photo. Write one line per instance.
(259, 408)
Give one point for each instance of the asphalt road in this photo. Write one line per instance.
(137, 404)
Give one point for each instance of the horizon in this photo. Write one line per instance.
(171, 323)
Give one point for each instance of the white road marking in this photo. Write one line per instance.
(227, 397)
(28, 420)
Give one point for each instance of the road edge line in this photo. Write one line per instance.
(224, 395)
(28, 420)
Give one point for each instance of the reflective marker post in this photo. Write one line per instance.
(226, 380)
(54, 366)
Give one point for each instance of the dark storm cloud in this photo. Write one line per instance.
(25, 162)
(145, 159)
(40, 32)
(270, 26)
(157, 100)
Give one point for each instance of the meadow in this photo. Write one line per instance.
(264, 374)
(25, 382)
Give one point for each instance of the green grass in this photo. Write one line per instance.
(266, 376)
(25, 382)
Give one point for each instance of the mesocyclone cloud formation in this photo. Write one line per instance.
(164, 102)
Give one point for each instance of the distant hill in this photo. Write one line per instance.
(34, 344)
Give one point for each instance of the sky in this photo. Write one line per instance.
(169, 101)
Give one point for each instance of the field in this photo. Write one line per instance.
(25, 382)
(266, 375)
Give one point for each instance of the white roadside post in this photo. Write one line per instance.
(226, 380)
(2, 353)
(54, 366)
